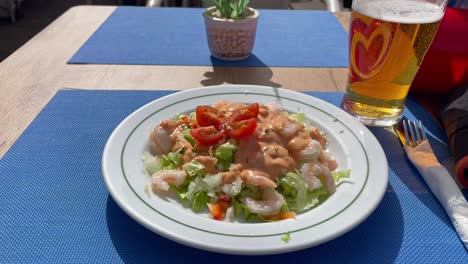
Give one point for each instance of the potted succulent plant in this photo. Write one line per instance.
(230, 28)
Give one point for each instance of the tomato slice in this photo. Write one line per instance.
(224, 203)
(209, 116)
(207, 135)
(247, 112)
(242, 128)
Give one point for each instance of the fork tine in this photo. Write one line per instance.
(405, 128)
(417, 130)
(422, 130)
(412, 133)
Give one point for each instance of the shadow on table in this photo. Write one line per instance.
(375, 240)
(261, 74)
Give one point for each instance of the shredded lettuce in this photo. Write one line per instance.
(299, 117)
(294, 189)
(186, 134)
(238, 208)
(320, 194)
(286, 237)
(193, 116)
(298, 197)
(182, 189)
(199, 201)
(284, 208)
(194, 169)
(147, 190)
(338, 175)
(151, 164)
(225, 156)
(179, 116)
(171, 160)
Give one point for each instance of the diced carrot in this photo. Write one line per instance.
(287, 215)
(281, 216)
(216, 211)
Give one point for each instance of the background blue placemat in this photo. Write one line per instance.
(54, 206)
(176, 36)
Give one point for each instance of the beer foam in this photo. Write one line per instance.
(398, 11)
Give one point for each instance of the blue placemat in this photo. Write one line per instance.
(54, 206)
(176, 36)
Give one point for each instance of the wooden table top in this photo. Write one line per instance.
(34, 73)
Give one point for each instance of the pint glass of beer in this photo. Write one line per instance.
(387, 43)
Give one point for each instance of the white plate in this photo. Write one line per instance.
(350, 142)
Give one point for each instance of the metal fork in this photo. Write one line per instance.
(416, 131)
(438, 179)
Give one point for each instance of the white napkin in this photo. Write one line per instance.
(442, 186)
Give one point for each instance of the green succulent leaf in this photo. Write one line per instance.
(232, 9)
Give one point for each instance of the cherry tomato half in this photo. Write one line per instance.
(247, 112)
(207, 135)
(209, 116)
(242, 128)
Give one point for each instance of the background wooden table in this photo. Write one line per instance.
(33, 74)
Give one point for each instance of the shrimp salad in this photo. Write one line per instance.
(250, 162)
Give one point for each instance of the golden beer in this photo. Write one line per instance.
(384, 56)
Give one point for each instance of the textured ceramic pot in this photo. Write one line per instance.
(230, 39)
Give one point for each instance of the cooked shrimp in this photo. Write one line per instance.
(209, 163)
(286, 127)
(188, 151)
(297, 144)
(169, 125)
(328, 160)
(289, 130)
(311, 152)
(309, 173)
(180, 142)
(231, 175)
(162, 179)
(315, 175)
(257, 178)
(277, 161)
(269, 205)
(160, 141)
(316, 135)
